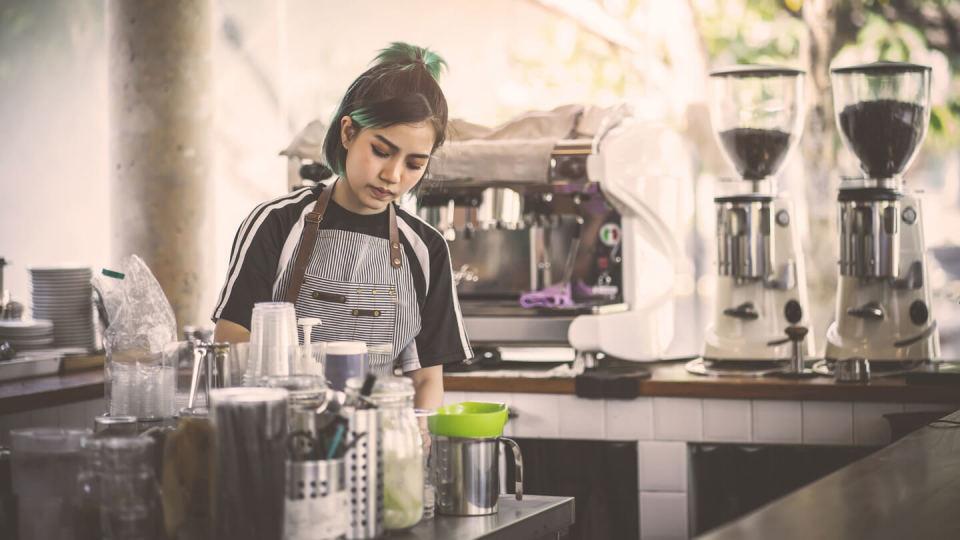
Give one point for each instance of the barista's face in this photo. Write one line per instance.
(382, 163)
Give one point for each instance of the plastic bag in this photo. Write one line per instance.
(139, 316)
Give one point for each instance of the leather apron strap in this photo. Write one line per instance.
(308, 240)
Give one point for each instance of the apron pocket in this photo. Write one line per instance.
(349, 311)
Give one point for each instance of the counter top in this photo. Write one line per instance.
(38, 392)
(536, 516)
(667, 380)
(670, 379)
(910, 489)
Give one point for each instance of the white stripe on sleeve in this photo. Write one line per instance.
(254, 228)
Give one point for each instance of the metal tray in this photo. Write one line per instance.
(34, 365)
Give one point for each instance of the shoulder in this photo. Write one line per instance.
(283, 211)
(431, 238)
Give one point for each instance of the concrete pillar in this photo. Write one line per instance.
(161, 125)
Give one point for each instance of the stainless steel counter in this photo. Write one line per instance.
(535, 517)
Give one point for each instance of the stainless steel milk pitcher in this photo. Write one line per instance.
(467, 474)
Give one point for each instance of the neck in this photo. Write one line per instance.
(343, 196)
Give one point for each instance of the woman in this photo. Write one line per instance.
(347, 253)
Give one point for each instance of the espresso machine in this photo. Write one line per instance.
(883, 309)
(761, 311)
(551, 246)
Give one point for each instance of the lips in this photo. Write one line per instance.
(380, 194)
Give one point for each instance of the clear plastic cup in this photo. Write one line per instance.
(141, 383)
(239, 357)
(273, 341)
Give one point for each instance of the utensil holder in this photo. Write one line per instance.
(365, 475)
(317, 504)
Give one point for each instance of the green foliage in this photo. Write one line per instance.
(751, 32)
(770, 31)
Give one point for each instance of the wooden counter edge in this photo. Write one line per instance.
(714, 389)
(39, 392)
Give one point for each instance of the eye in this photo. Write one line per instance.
(379, 153)
(415, 166)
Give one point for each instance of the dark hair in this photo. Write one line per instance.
(400, 88)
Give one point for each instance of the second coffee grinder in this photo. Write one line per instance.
(883, 311)
(760, 317)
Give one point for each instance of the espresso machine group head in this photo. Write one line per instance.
(757, 114)
(883, 310)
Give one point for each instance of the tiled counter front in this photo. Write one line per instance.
(662, 427)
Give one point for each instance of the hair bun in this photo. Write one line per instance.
(409, 56)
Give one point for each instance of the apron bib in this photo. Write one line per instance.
(355, 284)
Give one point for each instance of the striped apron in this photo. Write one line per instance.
(357, 285)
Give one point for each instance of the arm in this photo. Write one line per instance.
(428, 387)
(428, 394)
(231, 332)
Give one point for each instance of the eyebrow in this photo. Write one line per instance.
(396, 148)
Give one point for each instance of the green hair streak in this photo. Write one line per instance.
(408, 56)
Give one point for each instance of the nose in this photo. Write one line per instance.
(391, 171)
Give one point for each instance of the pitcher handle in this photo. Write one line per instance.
(517, 465)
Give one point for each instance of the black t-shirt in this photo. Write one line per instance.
(266, 242)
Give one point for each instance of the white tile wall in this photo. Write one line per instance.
(777, 421)
(827, 422)
(538, 415)
(870, 428)
(495, 397)
(677, 419)
(662, 466)
(727, 420)
(581, 418)
(629, 419)
(449, 398)
(663, 516)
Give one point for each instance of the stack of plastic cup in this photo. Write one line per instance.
(273, 341)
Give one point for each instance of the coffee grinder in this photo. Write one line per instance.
(883, 310)
(760, 316)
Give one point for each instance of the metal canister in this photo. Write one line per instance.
(467, 474)
(365, 475)
(317, 503)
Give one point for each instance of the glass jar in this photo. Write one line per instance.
(402, 451)
(45, 466)
(130, 502)
(429, 489)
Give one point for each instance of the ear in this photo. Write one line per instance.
(348, 131)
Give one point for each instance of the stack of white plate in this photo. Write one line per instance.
(27, 334)
(62, 295)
